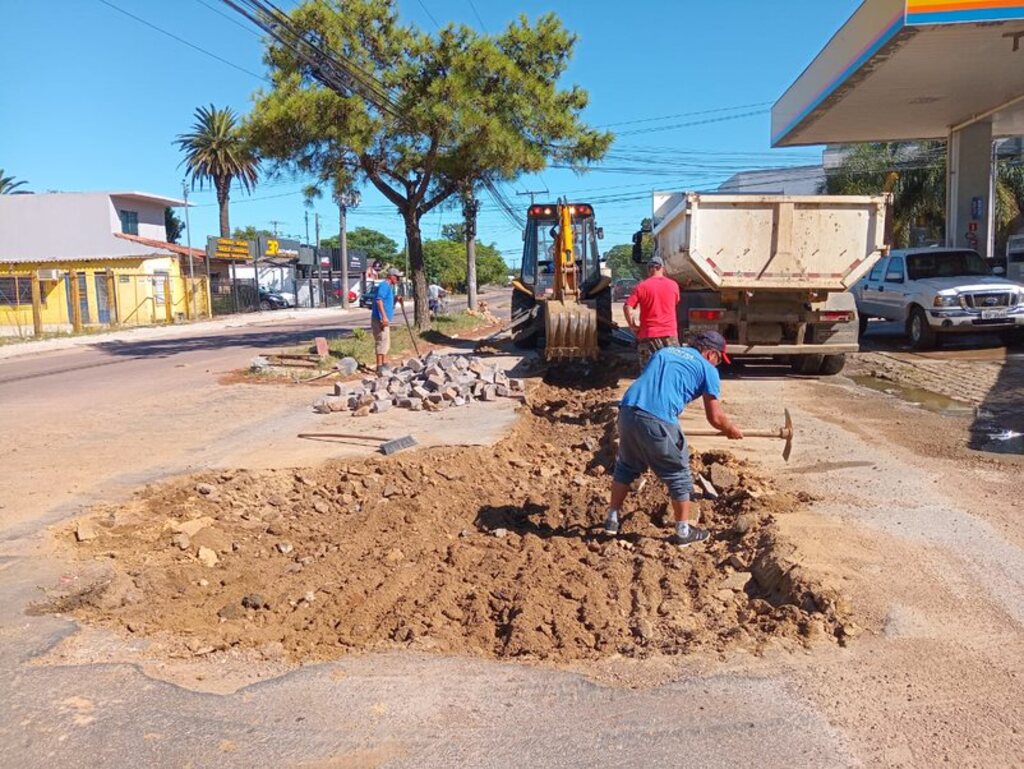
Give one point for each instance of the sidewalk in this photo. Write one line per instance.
(141, 333)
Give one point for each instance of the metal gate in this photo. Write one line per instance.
(102, 300)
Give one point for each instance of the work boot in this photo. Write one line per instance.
(611, 524)
(693, 536)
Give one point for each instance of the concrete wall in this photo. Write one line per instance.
(74, 225)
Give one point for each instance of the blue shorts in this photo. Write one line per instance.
(647, 442)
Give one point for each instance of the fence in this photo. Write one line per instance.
(237, 295)
(37, 303)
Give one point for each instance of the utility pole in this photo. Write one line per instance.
(316, 221)
(470, 207)
(307, 227)
(533, 194)
(345, 200)
(275, 223)
(188, 242)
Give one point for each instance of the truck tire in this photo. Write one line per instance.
(807, 364)
(525, 336)
(863, 325)
(832, 364)
(922, 336)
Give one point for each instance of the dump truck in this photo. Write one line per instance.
(561, 300)
(771, 273)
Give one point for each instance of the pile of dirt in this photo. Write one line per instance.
(493, 551)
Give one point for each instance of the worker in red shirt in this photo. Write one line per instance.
(657, 297)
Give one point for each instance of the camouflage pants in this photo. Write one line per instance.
(645, 348)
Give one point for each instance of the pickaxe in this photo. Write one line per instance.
(785, 433)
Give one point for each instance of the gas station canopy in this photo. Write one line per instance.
(910, 69)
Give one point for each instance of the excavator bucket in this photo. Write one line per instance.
(570, 329)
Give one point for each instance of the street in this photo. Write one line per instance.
(918, 531)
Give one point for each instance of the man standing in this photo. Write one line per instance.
(383, 312)
(649, 432)
(657, 297)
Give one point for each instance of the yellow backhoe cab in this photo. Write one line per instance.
(562, 300)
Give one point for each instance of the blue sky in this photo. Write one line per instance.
(93, 99)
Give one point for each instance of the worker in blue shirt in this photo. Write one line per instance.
(649, 432)
(382, 314)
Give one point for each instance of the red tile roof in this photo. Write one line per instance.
(174, 248)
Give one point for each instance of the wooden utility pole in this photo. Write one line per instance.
(470, 207)
(76, 302)
(168, 305)
(112, 299)
(37, 305)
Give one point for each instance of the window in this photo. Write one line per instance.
(894, 272)
(876, 271)
(129, 222)
(16, 291)
(946, 264)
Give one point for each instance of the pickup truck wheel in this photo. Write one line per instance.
(807, 364)
(922, 336)
(863, 325)
(832, 364)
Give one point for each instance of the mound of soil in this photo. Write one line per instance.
(493, 551)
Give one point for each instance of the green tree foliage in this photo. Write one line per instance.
(9, 185)
(446, 264)
(455, 232)
(217, 152)
(620, 260)
(452, 108)
(915, 172)
(250, 233)
(376, 244)
(173, 224)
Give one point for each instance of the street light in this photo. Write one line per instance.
(345, 201)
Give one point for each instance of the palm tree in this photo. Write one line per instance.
(217, 151)
(8, 185)
(915, 172)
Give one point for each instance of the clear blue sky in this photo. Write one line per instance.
(92, 99)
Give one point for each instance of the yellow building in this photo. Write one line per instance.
(103, 253)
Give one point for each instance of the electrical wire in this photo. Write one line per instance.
(183, 41)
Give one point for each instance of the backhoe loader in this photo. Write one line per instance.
(561, 301)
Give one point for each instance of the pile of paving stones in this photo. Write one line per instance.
(433, 383)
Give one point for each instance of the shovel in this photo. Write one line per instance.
(408, 326)
(785, 433)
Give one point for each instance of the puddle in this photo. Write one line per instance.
(989, 431)
(926, 399)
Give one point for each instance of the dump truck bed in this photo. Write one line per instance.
(769, 242)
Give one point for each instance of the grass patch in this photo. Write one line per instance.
(446, 328)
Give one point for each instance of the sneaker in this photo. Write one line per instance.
(611, 525)
(695, 535)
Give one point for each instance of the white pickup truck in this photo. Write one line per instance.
(937, 291)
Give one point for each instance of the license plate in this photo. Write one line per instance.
(992, 314)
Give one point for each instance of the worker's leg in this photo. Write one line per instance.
(673, 467)
(629, 464)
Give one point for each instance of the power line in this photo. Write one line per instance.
(429, 14)
(695, 123)
(232, 19)
(477, 14)
(183, 41)
(686, 114)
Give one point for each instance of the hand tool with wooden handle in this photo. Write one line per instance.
(408, 327)
(387, 446)
(785, 433)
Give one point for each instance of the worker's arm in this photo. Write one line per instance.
(718, 419)
(380, 311)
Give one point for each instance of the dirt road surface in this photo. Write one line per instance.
(922, 534)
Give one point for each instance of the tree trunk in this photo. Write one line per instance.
(418, 268)
(469, 211)
(223, 192)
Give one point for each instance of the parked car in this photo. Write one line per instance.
(622, 288)
(273, 300)
(936, 291)
(366, 299)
